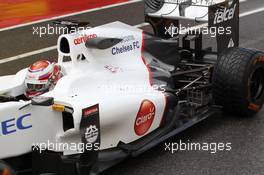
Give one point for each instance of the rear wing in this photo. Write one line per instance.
(165, 17)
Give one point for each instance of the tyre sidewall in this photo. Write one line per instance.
(257, 61)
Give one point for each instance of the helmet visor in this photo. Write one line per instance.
(37, 87)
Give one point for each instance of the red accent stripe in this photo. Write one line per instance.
(14, 12)
(150, 77)
(143, 59)
(162, 119)
(45, 77)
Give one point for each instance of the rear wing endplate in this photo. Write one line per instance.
(162, 14)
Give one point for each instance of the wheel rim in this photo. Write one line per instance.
(257, 84)
(6, 172)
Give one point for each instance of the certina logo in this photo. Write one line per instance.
(91, 134)
(145, 117)
(125, 48)
(224, 15)
(84, 38)
(14, 125)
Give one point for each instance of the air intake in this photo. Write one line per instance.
(64, 45)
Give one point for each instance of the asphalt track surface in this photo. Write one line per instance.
(19, 12)
(245, 134)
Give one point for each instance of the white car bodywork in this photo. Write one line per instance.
(117, 79)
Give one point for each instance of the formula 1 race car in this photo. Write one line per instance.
(125, 90)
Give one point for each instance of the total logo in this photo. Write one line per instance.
(227, 14)
(145, 117)
(14, 125)
(84, 38)
(91, 134)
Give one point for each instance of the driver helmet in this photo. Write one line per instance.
(41, 77)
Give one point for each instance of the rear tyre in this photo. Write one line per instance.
(238, 81)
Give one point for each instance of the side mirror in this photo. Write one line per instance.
(102, 42)
(42, 101)
(7, 98)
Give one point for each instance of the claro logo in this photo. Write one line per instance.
(14, 124)
(227, 14)
(145, 117)
(84, 38)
